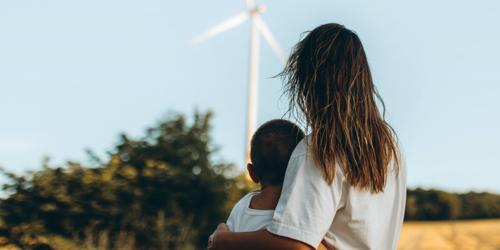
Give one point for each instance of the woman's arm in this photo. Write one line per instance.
(226, 240)
(303, 216)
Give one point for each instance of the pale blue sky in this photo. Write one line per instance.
(73, 74)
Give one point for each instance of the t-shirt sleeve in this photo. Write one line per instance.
(307, 204)
(234, 220)
(230, 221)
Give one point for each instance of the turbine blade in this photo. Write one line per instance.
(268, 36)
(231, 22)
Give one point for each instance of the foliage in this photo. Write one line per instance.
(440, 205)
(162, 190)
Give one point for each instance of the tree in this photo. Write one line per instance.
(163, 189)
(440, 205)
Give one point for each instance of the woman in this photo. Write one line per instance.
(345, 184)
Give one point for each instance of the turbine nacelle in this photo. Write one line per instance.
(253, 11)
(257, 10)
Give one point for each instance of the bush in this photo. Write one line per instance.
(163, 190)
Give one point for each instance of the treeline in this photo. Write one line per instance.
(435, 204)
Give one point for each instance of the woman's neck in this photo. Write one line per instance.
(267, 199)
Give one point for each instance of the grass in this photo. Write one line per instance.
(443, 235)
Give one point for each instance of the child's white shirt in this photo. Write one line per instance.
(245, 219)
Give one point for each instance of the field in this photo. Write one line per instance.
(463, 235)
(443, 235)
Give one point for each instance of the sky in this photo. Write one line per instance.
(75, 74)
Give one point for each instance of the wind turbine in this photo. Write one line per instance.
(257, 27)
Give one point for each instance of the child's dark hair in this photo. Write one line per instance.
(271, 148)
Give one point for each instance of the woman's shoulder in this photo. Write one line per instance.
(302, 155)
(302, 148)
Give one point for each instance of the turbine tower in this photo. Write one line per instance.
(257, 27)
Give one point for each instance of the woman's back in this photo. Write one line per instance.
(370, 220)
(349, 218)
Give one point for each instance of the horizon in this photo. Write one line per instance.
(75, 75)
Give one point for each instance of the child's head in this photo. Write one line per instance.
(270, 149)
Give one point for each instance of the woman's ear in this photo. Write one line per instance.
(252, 174)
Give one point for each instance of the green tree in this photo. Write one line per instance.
(480, 205)
(434, 204)
(162, 189)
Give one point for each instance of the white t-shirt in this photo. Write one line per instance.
(310, 210)
(245, 219)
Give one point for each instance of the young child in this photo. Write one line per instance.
(270, 149)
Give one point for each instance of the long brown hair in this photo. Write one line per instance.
(328, 81)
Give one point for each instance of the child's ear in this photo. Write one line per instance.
(252, 174)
